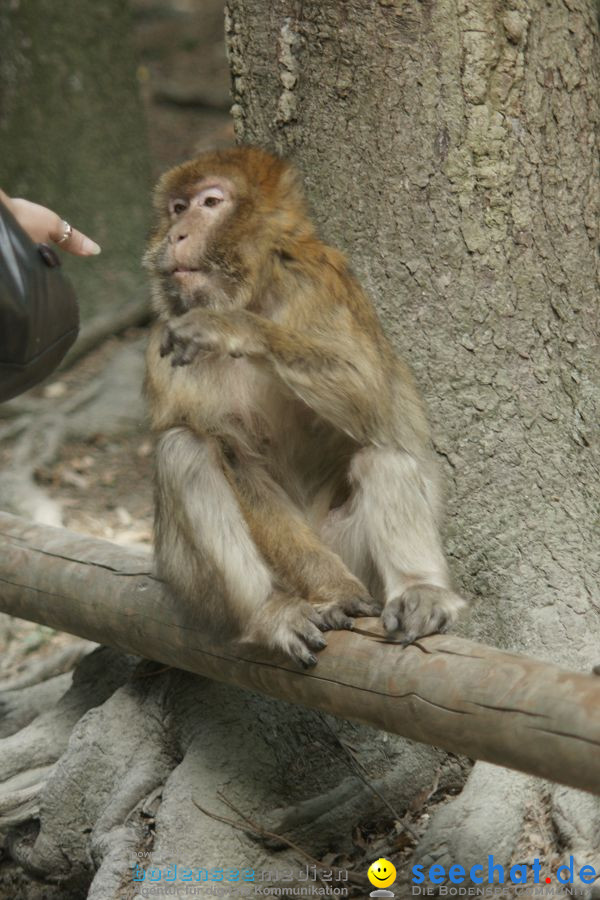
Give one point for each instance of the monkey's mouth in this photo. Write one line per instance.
(189, 278)
(182, 271)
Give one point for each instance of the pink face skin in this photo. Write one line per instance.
(193, 219)
(187, 254)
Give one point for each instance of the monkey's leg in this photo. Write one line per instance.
(205, 552)
(391, 515)
(295, 552)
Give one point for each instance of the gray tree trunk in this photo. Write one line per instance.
(451, 149)
(72, 133)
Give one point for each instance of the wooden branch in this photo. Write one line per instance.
(444, 690)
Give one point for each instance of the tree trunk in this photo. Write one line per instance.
(73, 134)
(451, 149)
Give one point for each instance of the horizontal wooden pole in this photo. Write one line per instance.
(444, 690)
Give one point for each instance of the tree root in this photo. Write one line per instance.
(130, 761)
(138, 767)
(490, 818)
(576, 820)
(19, 708)
(42, 741)
(19, 798)
(486, 818)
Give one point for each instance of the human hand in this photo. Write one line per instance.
(43, 226)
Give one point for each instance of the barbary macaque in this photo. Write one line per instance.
(295, 486)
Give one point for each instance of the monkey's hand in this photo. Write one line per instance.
(203, 331)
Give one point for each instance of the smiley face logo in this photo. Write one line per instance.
(382, 873)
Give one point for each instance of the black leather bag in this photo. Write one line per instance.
(39, 316)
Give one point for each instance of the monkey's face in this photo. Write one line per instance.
(221, 219)
(189, 255)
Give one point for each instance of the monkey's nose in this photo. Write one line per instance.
(177, 238)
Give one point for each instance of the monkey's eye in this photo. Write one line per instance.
(176, 207)
(210, 197)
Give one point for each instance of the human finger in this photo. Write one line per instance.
(72, 240)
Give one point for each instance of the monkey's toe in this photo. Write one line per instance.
(301, 655)
(299, 649)
(298, 633)
(368, 607)
(421, 610)
(309, 632)
(315, 641)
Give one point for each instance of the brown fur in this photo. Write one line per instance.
(284, 407)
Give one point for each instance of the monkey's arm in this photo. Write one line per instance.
(340, 375)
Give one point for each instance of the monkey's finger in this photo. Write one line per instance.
(166, 342)
(184, 354)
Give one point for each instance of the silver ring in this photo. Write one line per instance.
(68, 231)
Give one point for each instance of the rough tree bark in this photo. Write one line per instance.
(452, 149)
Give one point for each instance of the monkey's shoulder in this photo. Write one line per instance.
(321, 289)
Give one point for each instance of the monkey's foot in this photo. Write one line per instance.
(290, 626)
(339, 613)
(421, 610)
